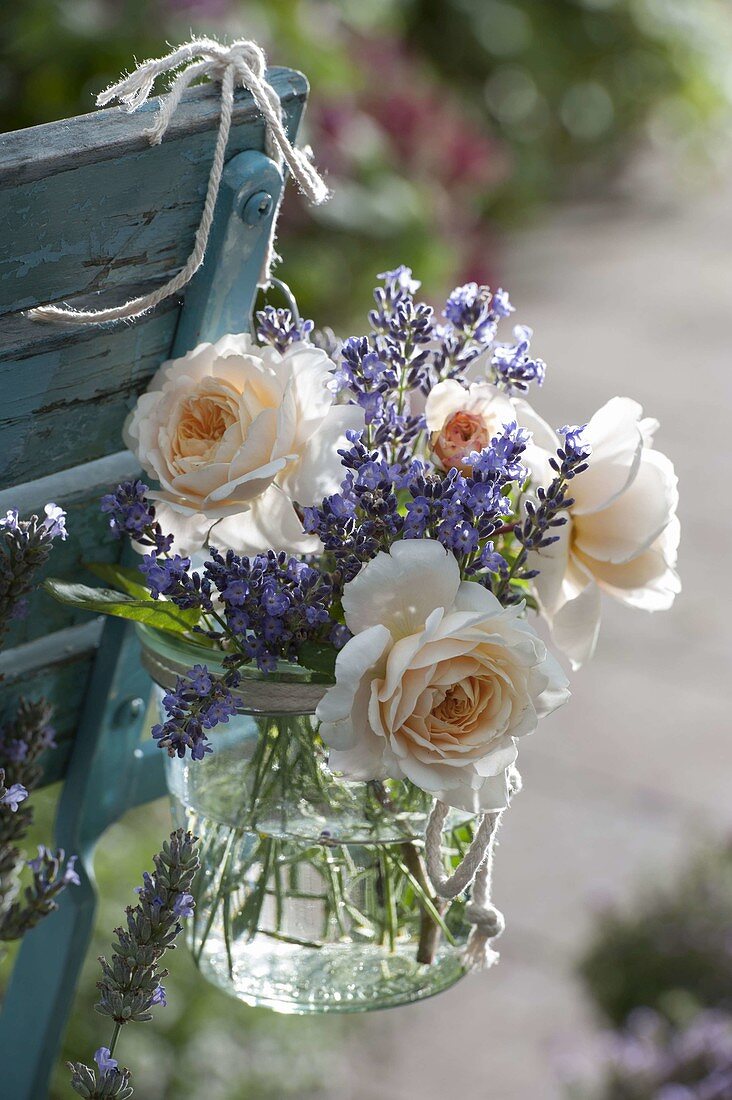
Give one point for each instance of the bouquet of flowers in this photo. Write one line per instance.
(340, 552)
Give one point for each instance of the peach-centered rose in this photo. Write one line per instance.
(622, 533)
(461, 421)
(438, 681)
(235, 433)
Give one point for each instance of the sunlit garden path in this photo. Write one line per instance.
(623, 300)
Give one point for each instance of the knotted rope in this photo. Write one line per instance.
(241, 64)
(476, 866)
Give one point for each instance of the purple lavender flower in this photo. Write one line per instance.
(70, 874)
(159, 996)
(576, 450)
(200, 679)
(400, 281)
(470, 310)
(199, 702)
(11, 520)
(131, 513)
(501, 305)
(13, 796)
(106, 1063)
(55, 522)
(183, 906)
(513, 368)
(280, 328)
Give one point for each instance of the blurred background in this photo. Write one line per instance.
(576, 152)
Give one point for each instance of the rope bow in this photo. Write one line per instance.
(242, 64)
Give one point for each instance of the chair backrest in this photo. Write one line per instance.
(88, 208)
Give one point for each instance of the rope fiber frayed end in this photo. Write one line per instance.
(242, 64)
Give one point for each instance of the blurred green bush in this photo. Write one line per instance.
(673, 951)
(437, 120)
(661, 975)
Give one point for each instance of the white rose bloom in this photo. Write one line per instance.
(622, 533)
(460, 420)
(437, 682)
(234, 433)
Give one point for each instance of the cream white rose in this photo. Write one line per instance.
(622, 533)
(234, 433)
(437, 682)
(460, 420)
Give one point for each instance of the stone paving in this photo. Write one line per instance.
(620, 784)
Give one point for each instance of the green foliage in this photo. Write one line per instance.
(671, 952)
(124, 578)
(573, 86)
(105, 601)
(318, 657)
(434, 119)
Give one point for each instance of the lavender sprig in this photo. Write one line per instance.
(52, 873)
(131, 513)
(272, 604)
(463, 512)
(534, 533)
(132, 982)
(280, 328)
(22, 741)
(104, 1081)
(513, 369)
(24, 549)
(199, 702)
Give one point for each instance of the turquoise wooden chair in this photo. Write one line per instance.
(88, 206)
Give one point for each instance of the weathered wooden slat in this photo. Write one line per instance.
(39, 151)
(139, 205)
(67, 405)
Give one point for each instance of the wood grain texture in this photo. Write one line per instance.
(89, 209)
(66, 404)
(89, 205)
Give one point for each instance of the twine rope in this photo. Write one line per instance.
(243, 63)
(475, 867)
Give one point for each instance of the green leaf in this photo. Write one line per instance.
(123, 577)
(104, 601)
(318, 656)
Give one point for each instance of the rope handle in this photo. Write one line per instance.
(475, 867)
(243, 63)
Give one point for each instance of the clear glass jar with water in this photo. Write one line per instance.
(312, 894)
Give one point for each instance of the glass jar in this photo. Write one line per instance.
(312, 894)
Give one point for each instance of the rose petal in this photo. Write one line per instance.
(636, 518)
(576, 626)
(617, 441)
(649, 581)
(401, 589)
(270, 523)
